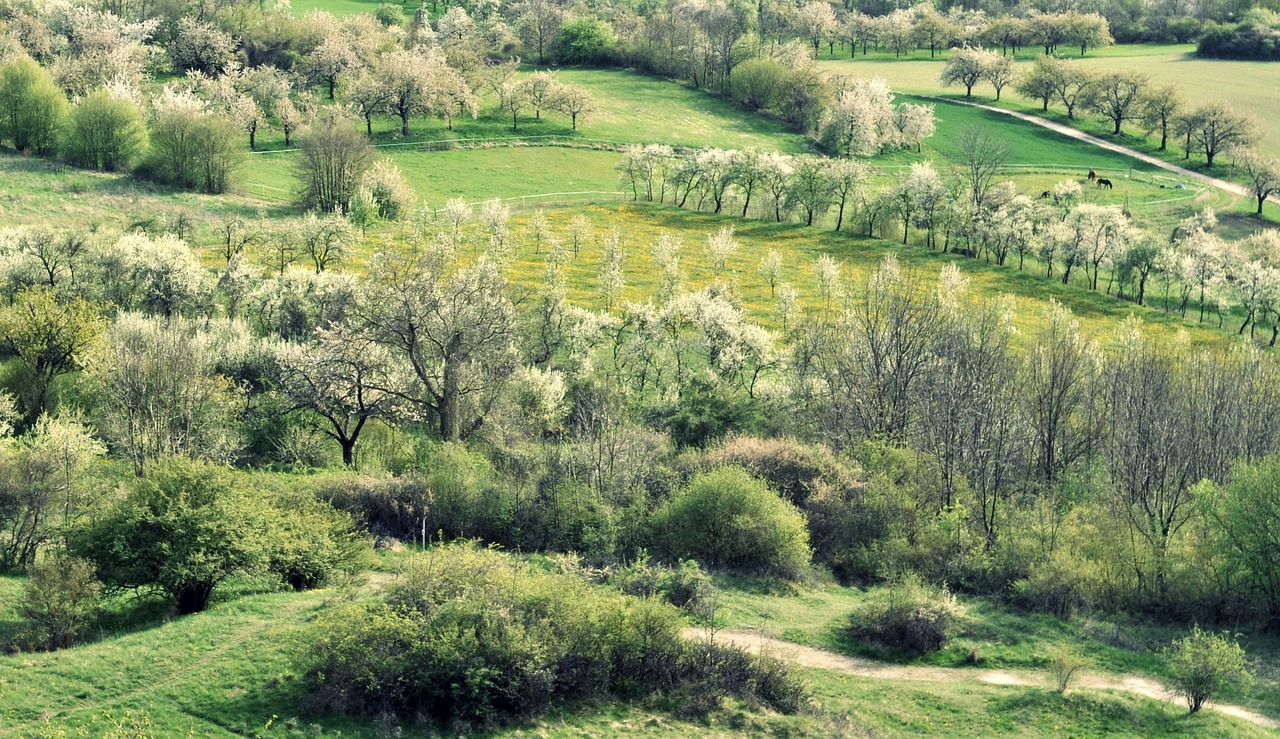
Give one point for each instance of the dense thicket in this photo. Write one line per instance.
(1257, 37)
(472, 635)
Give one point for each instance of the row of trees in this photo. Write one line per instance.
(1116, 97)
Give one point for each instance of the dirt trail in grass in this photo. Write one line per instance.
(1070, 132)
(860, 667)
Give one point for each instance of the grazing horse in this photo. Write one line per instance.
(1093, 174)
(1045, 195)
(1103, 182)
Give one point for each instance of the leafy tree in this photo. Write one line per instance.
(48, 337)
(194, 150)
(329, 62)
(1263, 174)
(201, 47)
(334, 156)
(814, 21)
(31, 107)
(1246, 514)
(456, 332)
(1039, 83)
(1215, 128)
(1088, 30)
(344, 379)
(1202, 663)
(1116, 96)
(1160, 109)
(727, 518)
(574, 101)
(104, 133)
(965, 67)
(182, 531)
(999, 72)
(585, 40)
(932, 29)
(160, 394)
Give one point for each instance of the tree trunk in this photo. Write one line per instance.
(450, 424)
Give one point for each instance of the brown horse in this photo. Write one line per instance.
(1093, 174)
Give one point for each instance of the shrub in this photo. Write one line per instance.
(389, 190)
(727, 518)
(1064, 663)
(795, 470)
(570, 516)
(758, 83)
(585, 40)
(193, 150)
(1201, 664)
(182, 531)
(915, 619)
(453, 495)
(706, 413)
(389, 14)
(474, 635)
(309, 542)
(685, 586)
(333, 157)
(58, 599)
(31, 106)
(103, 133)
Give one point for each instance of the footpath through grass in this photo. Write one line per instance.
(993, 636)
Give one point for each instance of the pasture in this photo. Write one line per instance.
(1246, 86)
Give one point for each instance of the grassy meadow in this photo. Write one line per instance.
(1245, 86)
(236, 670)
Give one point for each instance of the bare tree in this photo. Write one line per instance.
(982, 154)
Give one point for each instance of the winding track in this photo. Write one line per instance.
(866, 668)
(1070, 132)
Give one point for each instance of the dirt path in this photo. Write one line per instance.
(1070, 132)
(860, 667)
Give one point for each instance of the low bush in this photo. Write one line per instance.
(797, 471)
(1202, 663)
(915, 619)
(684, 586)
(58, 601)
(727, 518)
(473, 635)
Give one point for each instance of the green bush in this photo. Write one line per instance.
(914, 619)
(727, 518)
(182, 530)
(31, 107)
(194, 151)
(1202, 663)
(58, 601)
(794, 469)
(685, 586)
(309, 542)
(453, 494)
(474, 635)
(188, 526)
(103, 132)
